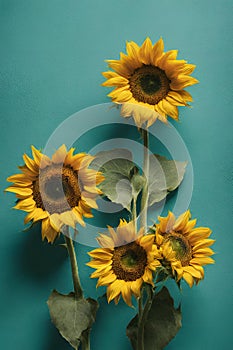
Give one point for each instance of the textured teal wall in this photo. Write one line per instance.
(52, 55)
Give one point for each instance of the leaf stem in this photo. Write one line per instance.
(74, 266)
(144, 200)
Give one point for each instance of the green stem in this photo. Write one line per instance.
(74, 266)
(142, 316)
(144, 201)
(85, 340)
(134, 213)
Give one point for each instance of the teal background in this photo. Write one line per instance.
(52, 55)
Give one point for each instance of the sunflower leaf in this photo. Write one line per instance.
(122, 180)
(72, 317)
(164, 176)
(162, 323)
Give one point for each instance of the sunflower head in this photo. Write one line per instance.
(58, 191)
(149, 83)
(124, 262)
(184, 247)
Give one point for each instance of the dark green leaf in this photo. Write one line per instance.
(164, 176)
(162, 324)
(72, 316)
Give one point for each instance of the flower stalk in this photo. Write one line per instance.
(142, 315)
(74, 266)
(144, 200)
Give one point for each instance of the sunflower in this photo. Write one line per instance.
(149, 83)
(185, 248)
(126, 260)
(57, 191)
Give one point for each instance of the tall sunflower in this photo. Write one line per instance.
(125, 261)
(57, 191)
(149, 83)
(185, 248)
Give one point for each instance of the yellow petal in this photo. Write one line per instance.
(68, 218)
(182, 81)
(105, 241)
(189, 226)
(27, 204)
(186, 95)
(182, 221)
(59, 155)
(136, 287)
(121, 94)
(109, 74)
(203, 244)
(78, 216)
(166, 223)
(147, 241)
(47, 231)
(203, 252)
(20, 179)
(91, 202)
(101, 253)
(198, 234)
(117, 81)
(37, 155)
(169, 109)
(175, 97)
(23, 192)
(92, 189)
(188, 69)
(114, 290)
(199, 268)
(102, 271)
(145, 51)
(118, 67)
(96, 264)
(115, 237)
(188, 278)
(202, 261)
(192, 271)
(31, 165)
(69, 156)
(77, 160)
(147, 277)
(36, 215)
(162, 113)
(157, 51)
(105, 280)
(133, 52)
(126, 294)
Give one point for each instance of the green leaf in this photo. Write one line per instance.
(164, 176)
(122, 180)
(72, 316)
(162, 324)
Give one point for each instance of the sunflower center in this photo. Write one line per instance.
(129, 262)
(181, 247)
(57, 189)
(149, 84)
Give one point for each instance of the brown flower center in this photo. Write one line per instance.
(181, 247)
(57, 189)
(129, 262)
(149, 84)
